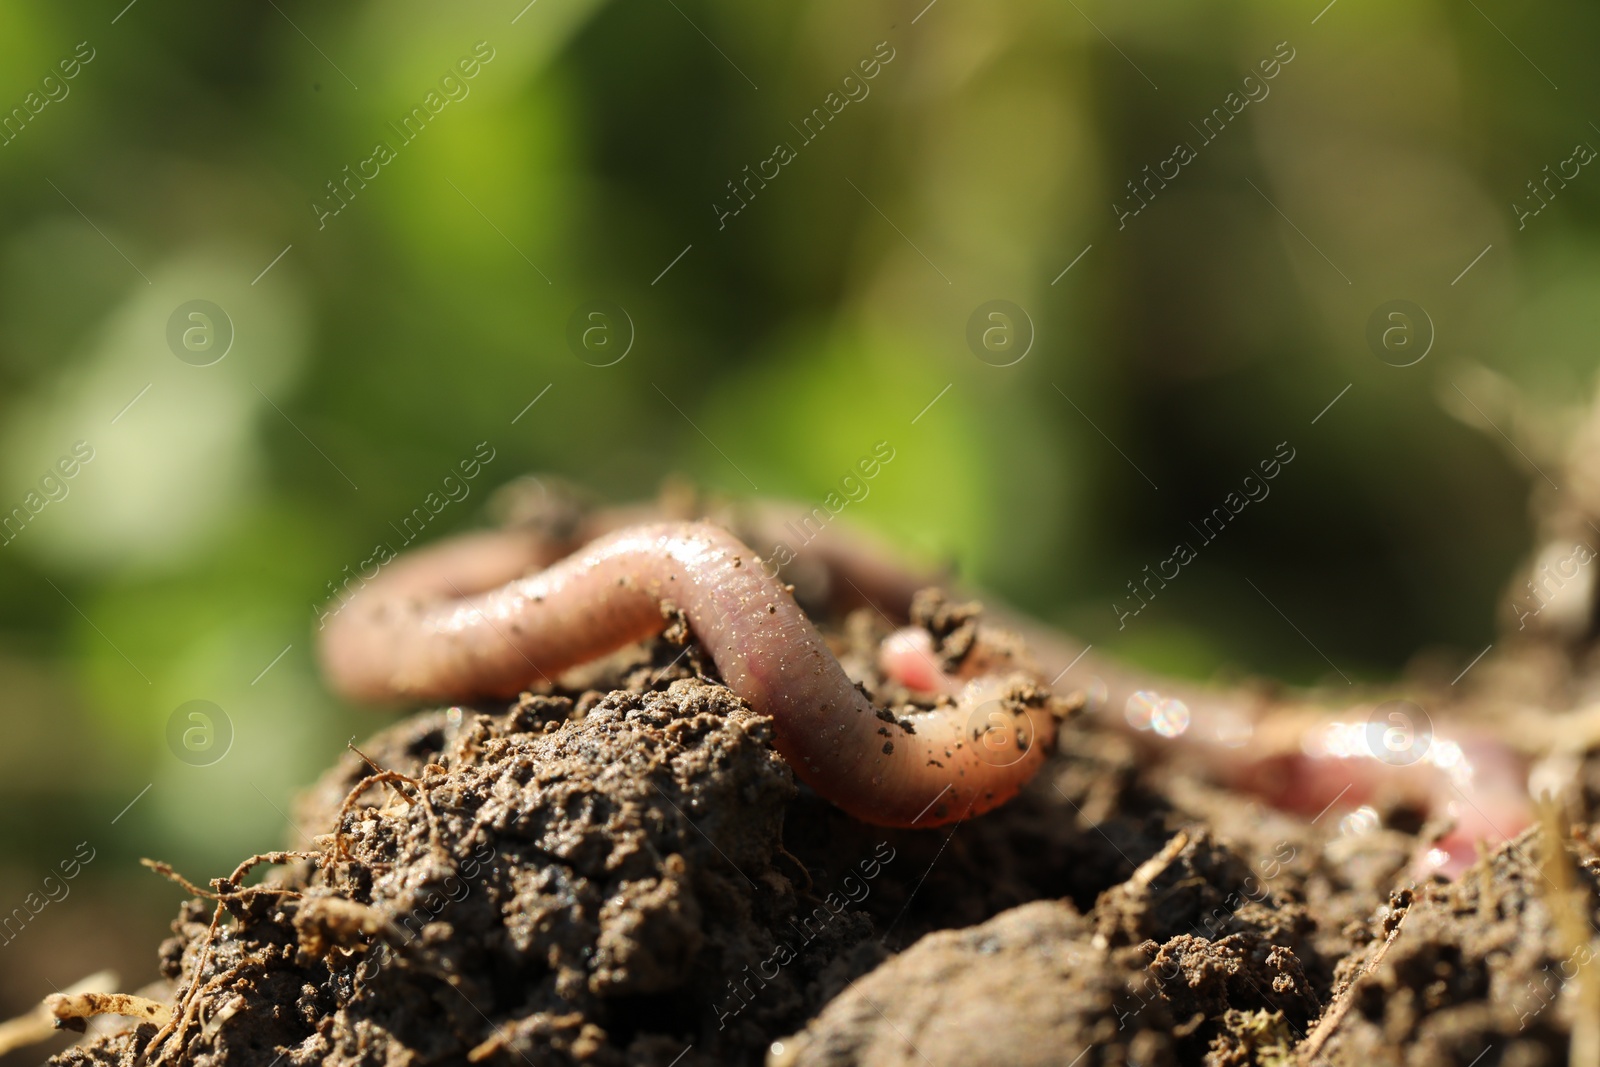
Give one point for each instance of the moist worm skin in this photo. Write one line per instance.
(419, 633)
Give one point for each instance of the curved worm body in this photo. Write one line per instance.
(427, 630)
(1303, 761)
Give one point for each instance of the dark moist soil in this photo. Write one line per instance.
(625, 872)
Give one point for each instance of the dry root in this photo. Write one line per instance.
(71, 1010)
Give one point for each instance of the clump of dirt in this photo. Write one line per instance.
(621, 870)
(551, 884)
(1216, 938)
(1028, 987)
(1500, 961)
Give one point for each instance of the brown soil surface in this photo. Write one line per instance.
(625, 872)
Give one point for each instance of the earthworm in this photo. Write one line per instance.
(426, 630)
(1241, 738)
(1301, 759)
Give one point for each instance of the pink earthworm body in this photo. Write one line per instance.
(1310, 762)
(439, 625)
(1302, 761)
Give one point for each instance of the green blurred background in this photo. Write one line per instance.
(778, 347)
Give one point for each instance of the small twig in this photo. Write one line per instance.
(792, 858)
(1572, 928)
(267, 857)
(1331, 1018)
(377, 768)
(69, 1008)
(178, 1025)
(166, 871)
(229, 888)
(1151, 868)
(40, 1024)
(368, 760)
